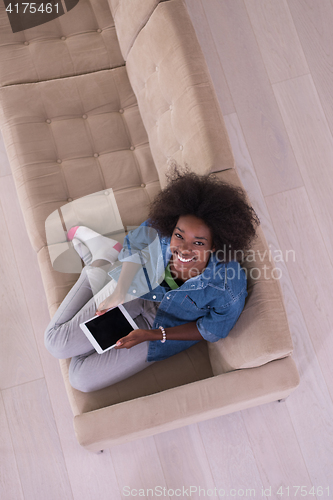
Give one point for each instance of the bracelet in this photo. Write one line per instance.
(163, 333)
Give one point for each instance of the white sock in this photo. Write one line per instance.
(83, 251)
(99, 246)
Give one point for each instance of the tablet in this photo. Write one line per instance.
(104, 331)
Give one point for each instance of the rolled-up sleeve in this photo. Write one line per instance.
(218, 322)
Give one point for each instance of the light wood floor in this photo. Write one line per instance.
(271, 62)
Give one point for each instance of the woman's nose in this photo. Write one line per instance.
(184, 248)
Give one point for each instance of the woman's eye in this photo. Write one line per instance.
(197, 243)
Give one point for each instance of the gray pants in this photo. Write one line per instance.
(88, 370)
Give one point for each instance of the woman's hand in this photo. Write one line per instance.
(113, 300)
(133, 338)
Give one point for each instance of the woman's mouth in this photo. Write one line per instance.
(183, 260)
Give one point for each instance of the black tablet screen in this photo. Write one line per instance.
(109, 327)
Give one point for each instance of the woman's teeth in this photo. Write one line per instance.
(184, 260)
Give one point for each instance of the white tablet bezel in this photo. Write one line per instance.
(92, 339)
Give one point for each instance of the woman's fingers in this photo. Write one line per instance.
(111, 301)
(102, 311)
(103, 307)
(119, 344)
(133, 338)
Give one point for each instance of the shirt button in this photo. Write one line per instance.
(58, 161)
(63, 38)
(154, 296)
(96, 155)
(26, 43)
(156, 68)
(48, 121)
(143, 185)
(181, 148)
(106, 193)
(132, 148)
(168, 297)
(134, 291)
(70, 199)
(170, 107)
(99, 30)
(84, 116)
(121, 110)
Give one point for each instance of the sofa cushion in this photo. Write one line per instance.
(261, 333)
(176, 97)
(81, 41)
(183, 368)
(71, 137)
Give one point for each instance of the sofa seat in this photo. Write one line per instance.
(79, 135)
(81, 41)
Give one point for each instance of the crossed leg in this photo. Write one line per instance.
(90, 371)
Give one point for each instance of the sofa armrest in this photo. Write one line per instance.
(129, 18)
(261, 333)
(175, 93)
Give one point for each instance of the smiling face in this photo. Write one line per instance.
(191, 246)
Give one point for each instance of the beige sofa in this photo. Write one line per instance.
(101, 98)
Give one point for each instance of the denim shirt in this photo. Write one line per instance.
(214, 299)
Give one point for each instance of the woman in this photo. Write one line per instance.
(201, 224)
